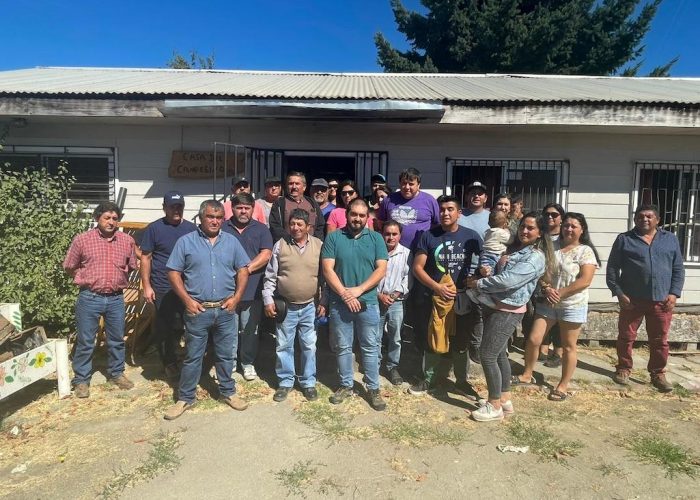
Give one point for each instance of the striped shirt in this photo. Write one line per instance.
(101, 264)
(396, 278)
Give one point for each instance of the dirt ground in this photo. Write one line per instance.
(605, 441)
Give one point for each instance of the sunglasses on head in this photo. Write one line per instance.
(347, 192)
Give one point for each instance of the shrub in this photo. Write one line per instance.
(37, 225)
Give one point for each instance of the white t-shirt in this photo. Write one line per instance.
(496, 240)
(568, 268)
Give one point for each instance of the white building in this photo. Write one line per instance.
(597, 145)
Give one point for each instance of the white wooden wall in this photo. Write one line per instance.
(601, 160)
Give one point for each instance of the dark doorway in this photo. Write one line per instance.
(327, 167)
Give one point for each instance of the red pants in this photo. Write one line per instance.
(658, 323)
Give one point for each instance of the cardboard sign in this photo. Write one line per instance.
(200, 164)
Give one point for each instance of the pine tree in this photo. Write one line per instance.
(571, 37)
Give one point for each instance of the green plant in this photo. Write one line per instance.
(661, 451)
(37, 224)
(541, 441)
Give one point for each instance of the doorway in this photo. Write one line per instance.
(326, 167)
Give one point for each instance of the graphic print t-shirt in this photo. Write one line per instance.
(415, 215)
(449, 252)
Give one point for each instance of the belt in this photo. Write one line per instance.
(212, 305)
(107, 294)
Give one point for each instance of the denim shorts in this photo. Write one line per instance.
(569, 314)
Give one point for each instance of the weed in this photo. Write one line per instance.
(298, 478)
(661, 451)
(681, 391)
(417, 433)
(329, 422)
(610, 470)
(541, 441)
(161, 458)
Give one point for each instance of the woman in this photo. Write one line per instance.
(510, 289)
(554, 215)
(378, 196)
(564, 301)
(337, 218)
(502, 202)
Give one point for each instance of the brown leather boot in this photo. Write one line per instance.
(659, 381)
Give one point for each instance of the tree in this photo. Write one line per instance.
(196, 61)
(37, 225)
(571, 37)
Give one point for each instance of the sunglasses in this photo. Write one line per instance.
(332, 186)
(347, 193)
(552, 215)
(320, 188)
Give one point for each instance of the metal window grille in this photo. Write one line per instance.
(94, 169)
(673, 188)
(538, 182)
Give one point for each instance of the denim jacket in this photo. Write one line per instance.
(514, 284)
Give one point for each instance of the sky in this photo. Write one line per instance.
(289, 35)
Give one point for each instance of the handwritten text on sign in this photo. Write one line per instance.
(200, 164)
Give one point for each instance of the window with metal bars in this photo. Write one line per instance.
(538, 182)
(673, 187)
(92, 168)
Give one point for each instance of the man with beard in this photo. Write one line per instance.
(273, 190)
(295, 198)
(241, 184)
(157, 244)
(208, 271)
(319, 191)
(354, 260)
(256, 240)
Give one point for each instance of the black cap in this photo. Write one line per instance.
(239, 179)
(476, 185)
(273, 180)
(173, 198)
(378, 178)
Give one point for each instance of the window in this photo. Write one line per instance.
(673, 187)
(538, 181)
(93, 168)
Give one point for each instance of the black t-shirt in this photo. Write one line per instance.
(449, 252)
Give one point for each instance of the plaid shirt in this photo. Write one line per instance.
(101, 264)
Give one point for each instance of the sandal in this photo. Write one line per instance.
(515, 380)
(558, 396)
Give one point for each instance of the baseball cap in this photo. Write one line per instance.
(173, 198)
(378, 178)
(273, 180)
(477, 185)
(239, 179)
(319, 182)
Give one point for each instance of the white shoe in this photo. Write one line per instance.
(249, 373)
(487, 413)
(507, 407)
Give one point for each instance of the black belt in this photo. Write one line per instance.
(108, 294)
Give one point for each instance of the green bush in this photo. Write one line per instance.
(37, 225)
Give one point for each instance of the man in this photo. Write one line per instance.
(354, 260)
(157, 244)
(256, 240)
(333, 190)
(99, 260)
(415, 210)
(645, 272)
(391, 292)
(445, 250)
(319, 191)
(295, 198)
(292, 275)
(476, 216)
(273, 190)
(241, 184)
(207, 270)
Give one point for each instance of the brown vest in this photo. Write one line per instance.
(297, 274)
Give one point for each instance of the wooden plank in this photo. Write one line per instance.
(79, 107)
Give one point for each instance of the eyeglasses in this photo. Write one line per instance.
(552, 215)
(347, 193)
(332, 186)
(320, 188)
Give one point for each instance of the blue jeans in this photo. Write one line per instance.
(366, 325)
(299, 322)
(221, 324)
(89, 308)
(393, 319)
(248, 320)
(498, 328)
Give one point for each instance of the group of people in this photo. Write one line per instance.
(463, 277)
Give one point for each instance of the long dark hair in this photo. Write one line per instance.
(339, 193)
(543, 243)
(585, 238)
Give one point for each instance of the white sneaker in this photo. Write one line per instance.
(487, 413)
(249, 373)
(507, 407)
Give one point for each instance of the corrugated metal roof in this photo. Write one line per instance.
(129, 82)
